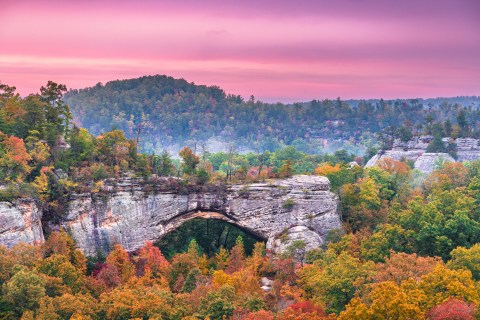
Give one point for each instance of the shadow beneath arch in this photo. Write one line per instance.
(210, 232)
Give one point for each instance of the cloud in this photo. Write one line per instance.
(273, 49)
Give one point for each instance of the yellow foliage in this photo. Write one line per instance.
(388, 301)
(97, 186)
(41, 182)
(221, 278)
(443, 283)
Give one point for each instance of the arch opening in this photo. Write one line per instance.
(210, 232)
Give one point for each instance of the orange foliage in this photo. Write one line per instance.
(394, 167)
(451, 175)
(120, 259)
(14, 160)
(402, 266)
(326, 169)
(12, 110)
(236, 260)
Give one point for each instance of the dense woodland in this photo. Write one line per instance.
(409, 249)
(164, 112)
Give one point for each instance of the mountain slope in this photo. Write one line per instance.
(173, 112)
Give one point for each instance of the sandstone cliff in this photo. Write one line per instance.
(130, 212)
(467, 149)
(20, 222)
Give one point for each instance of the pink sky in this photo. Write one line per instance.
(275, 50)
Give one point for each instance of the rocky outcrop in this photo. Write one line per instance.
(130, 212)
(20, 222)
(467, 149)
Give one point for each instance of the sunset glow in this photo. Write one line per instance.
(277, 51)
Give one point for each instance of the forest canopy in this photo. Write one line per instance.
(409, 247)
(171, 113)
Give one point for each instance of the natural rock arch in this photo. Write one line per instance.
(131, 212)
(178, 221)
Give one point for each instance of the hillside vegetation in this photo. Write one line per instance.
(409, 249)
(170, 113)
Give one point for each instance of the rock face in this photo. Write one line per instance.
(129, 213)
(20, 222)
(468, 149)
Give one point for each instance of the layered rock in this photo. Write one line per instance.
(467, 149)
(130, 217)
(130, 212)
(20, 222)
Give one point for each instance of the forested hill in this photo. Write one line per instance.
(169, 113)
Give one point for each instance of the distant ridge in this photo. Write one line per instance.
(174, 112)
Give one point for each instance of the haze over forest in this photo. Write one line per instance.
(168, 113)
(253, 160)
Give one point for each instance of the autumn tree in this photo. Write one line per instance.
(236, 259)
(120, 259)
(469, 259)
(443, 283)
(59, 266)
(333, 284)
(452, 309)
(402, 266)
(388, 301)
(137, 301)
(325, 169)
(190, 160)
(303, 310)
(361, 204)
(286, 169)
(151, 259)
(13, 158)
(113, 148)
(24, 290)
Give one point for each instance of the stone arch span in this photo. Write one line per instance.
(178, 221)
(301, 206)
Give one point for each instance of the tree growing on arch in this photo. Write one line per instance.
(190, 160)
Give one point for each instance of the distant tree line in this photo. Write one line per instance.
(168, 111)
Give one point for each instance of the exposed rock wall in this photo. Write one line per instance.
(20, 222)
(130, 213)
(468, 149)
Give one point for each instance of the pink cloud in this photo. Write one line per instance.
(280, 50)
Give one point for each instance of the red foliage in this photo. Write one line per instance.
(307, 307)
(303, 311)
(97, 268)
(452, 309)
(151, 258)
(110, 276)
(258, 315)
(284, 269)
